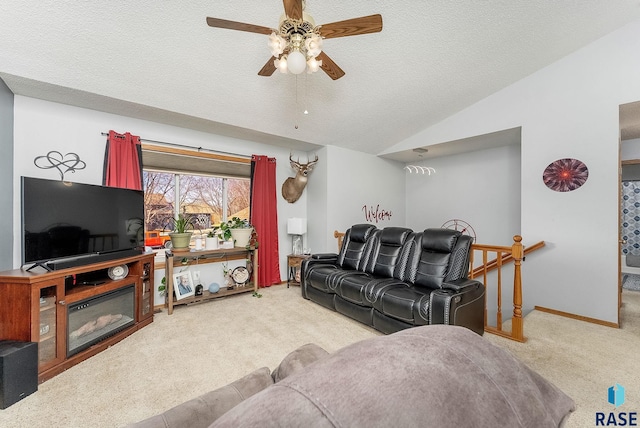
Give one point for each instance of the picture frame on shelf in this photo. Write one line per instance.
(183, 285)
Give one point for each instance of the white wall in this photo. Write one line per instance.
(6, 173)
(42, 126)
(352, 183)
(481, 188)
(316, 238)
(569, 109)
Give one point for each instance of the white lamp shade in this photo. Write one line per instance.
(297, 226)
(313, 45)
(296, 62)
(281, 64)
(313, 65)
(276, 44)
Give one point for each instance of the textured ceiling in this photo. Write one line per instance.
(158, 60)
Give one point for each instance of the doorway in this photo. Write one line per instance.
(629, 201)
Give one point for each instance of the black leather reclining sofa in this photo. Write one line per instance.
(394, 278)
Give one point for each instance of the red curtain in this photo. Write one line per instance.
(123, 161)
(264, 217)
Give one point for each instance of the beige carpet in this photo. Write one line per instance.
(205, 346)
(585, 359)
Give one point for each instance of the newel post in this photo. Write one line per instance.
(516, 324)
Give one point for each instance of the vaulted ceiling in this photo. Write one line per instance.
(158, 60)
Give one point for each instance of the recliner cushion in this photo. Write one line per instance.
(435, 254)
(354, 246)
(351, 287)
(360, 232)
(317, 276)
(440, 240)
(408, 304)
(386, 255)
(432, 269)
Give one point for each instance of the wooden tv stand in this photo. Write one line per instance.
(35, 307)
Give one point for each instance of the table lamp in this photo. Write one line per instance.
(296, 227)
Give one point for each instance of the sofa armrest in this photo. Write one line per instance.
(316, 260)
(459, 302)
(324, 256)
(202, 411)
(461, 285)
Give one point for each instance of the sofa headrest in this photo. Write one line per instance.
(361, 232)
(394, 235)
(440, 240)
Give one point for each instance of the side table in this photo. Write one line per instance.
(293, 263)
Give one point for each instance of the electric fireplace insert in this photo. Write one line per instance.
(94, 319)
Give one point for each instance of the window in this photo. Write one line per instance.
(210, 187)
(209, 200)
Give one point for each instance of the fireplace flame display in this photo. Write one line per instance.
(94, 319)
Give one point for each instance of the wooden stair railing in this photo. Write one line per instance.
(503, 254)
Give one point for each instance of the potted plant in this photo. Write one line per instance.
(238, 229)
(211, 241)
(181, 235)
(163, 286)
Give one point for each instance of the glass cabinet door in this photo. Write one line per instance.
(146, 303)
(48, 325)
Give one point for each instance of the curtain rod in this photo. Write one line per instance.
(200, 149)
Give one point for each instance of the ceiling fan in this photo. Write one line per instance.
(296, 46)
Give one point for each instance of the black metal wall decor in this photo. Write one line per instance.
(68, 163)
(461, 226)
(565, 175)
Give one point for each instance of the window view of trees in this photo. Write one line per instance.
(209, 200)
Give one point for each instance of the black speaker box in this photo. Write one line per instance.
(18, 371)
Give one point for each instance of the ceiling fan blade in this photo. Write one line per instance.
(268, 68)
(330, 67)
(233, 25)
(352, 27)
(293, 8)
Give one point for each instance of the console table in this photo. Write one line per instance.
(37, 307)
(188, 258)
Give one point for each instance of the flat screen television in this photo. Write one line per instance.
(68, 224)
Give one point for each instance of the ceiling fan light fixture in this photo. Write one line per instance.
(277, 44)
(298, 36)
(296, 62)
(313, 65)
(281, 63)
(313, 45)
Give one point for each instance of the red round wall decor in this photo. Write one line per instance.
(565, 175)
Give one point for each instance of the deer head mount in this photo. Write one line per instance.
(293, 186)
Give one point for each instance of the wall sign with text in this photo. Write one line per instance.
(375, 214)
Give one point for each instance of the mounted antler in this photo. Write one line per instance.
(293, 186)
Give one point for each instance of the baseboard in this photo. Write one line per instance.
(577, 317)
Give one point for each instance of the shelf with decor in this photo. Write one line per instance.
(243, 279)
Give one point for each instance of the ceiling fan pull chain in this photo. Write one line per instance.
(297, 104)
(306, 98)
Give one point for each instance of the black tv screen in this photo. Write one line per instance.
(67, 224)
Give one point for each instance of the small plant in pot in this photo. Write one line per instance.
(239, 229)
(211, 241)
(181, 235)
